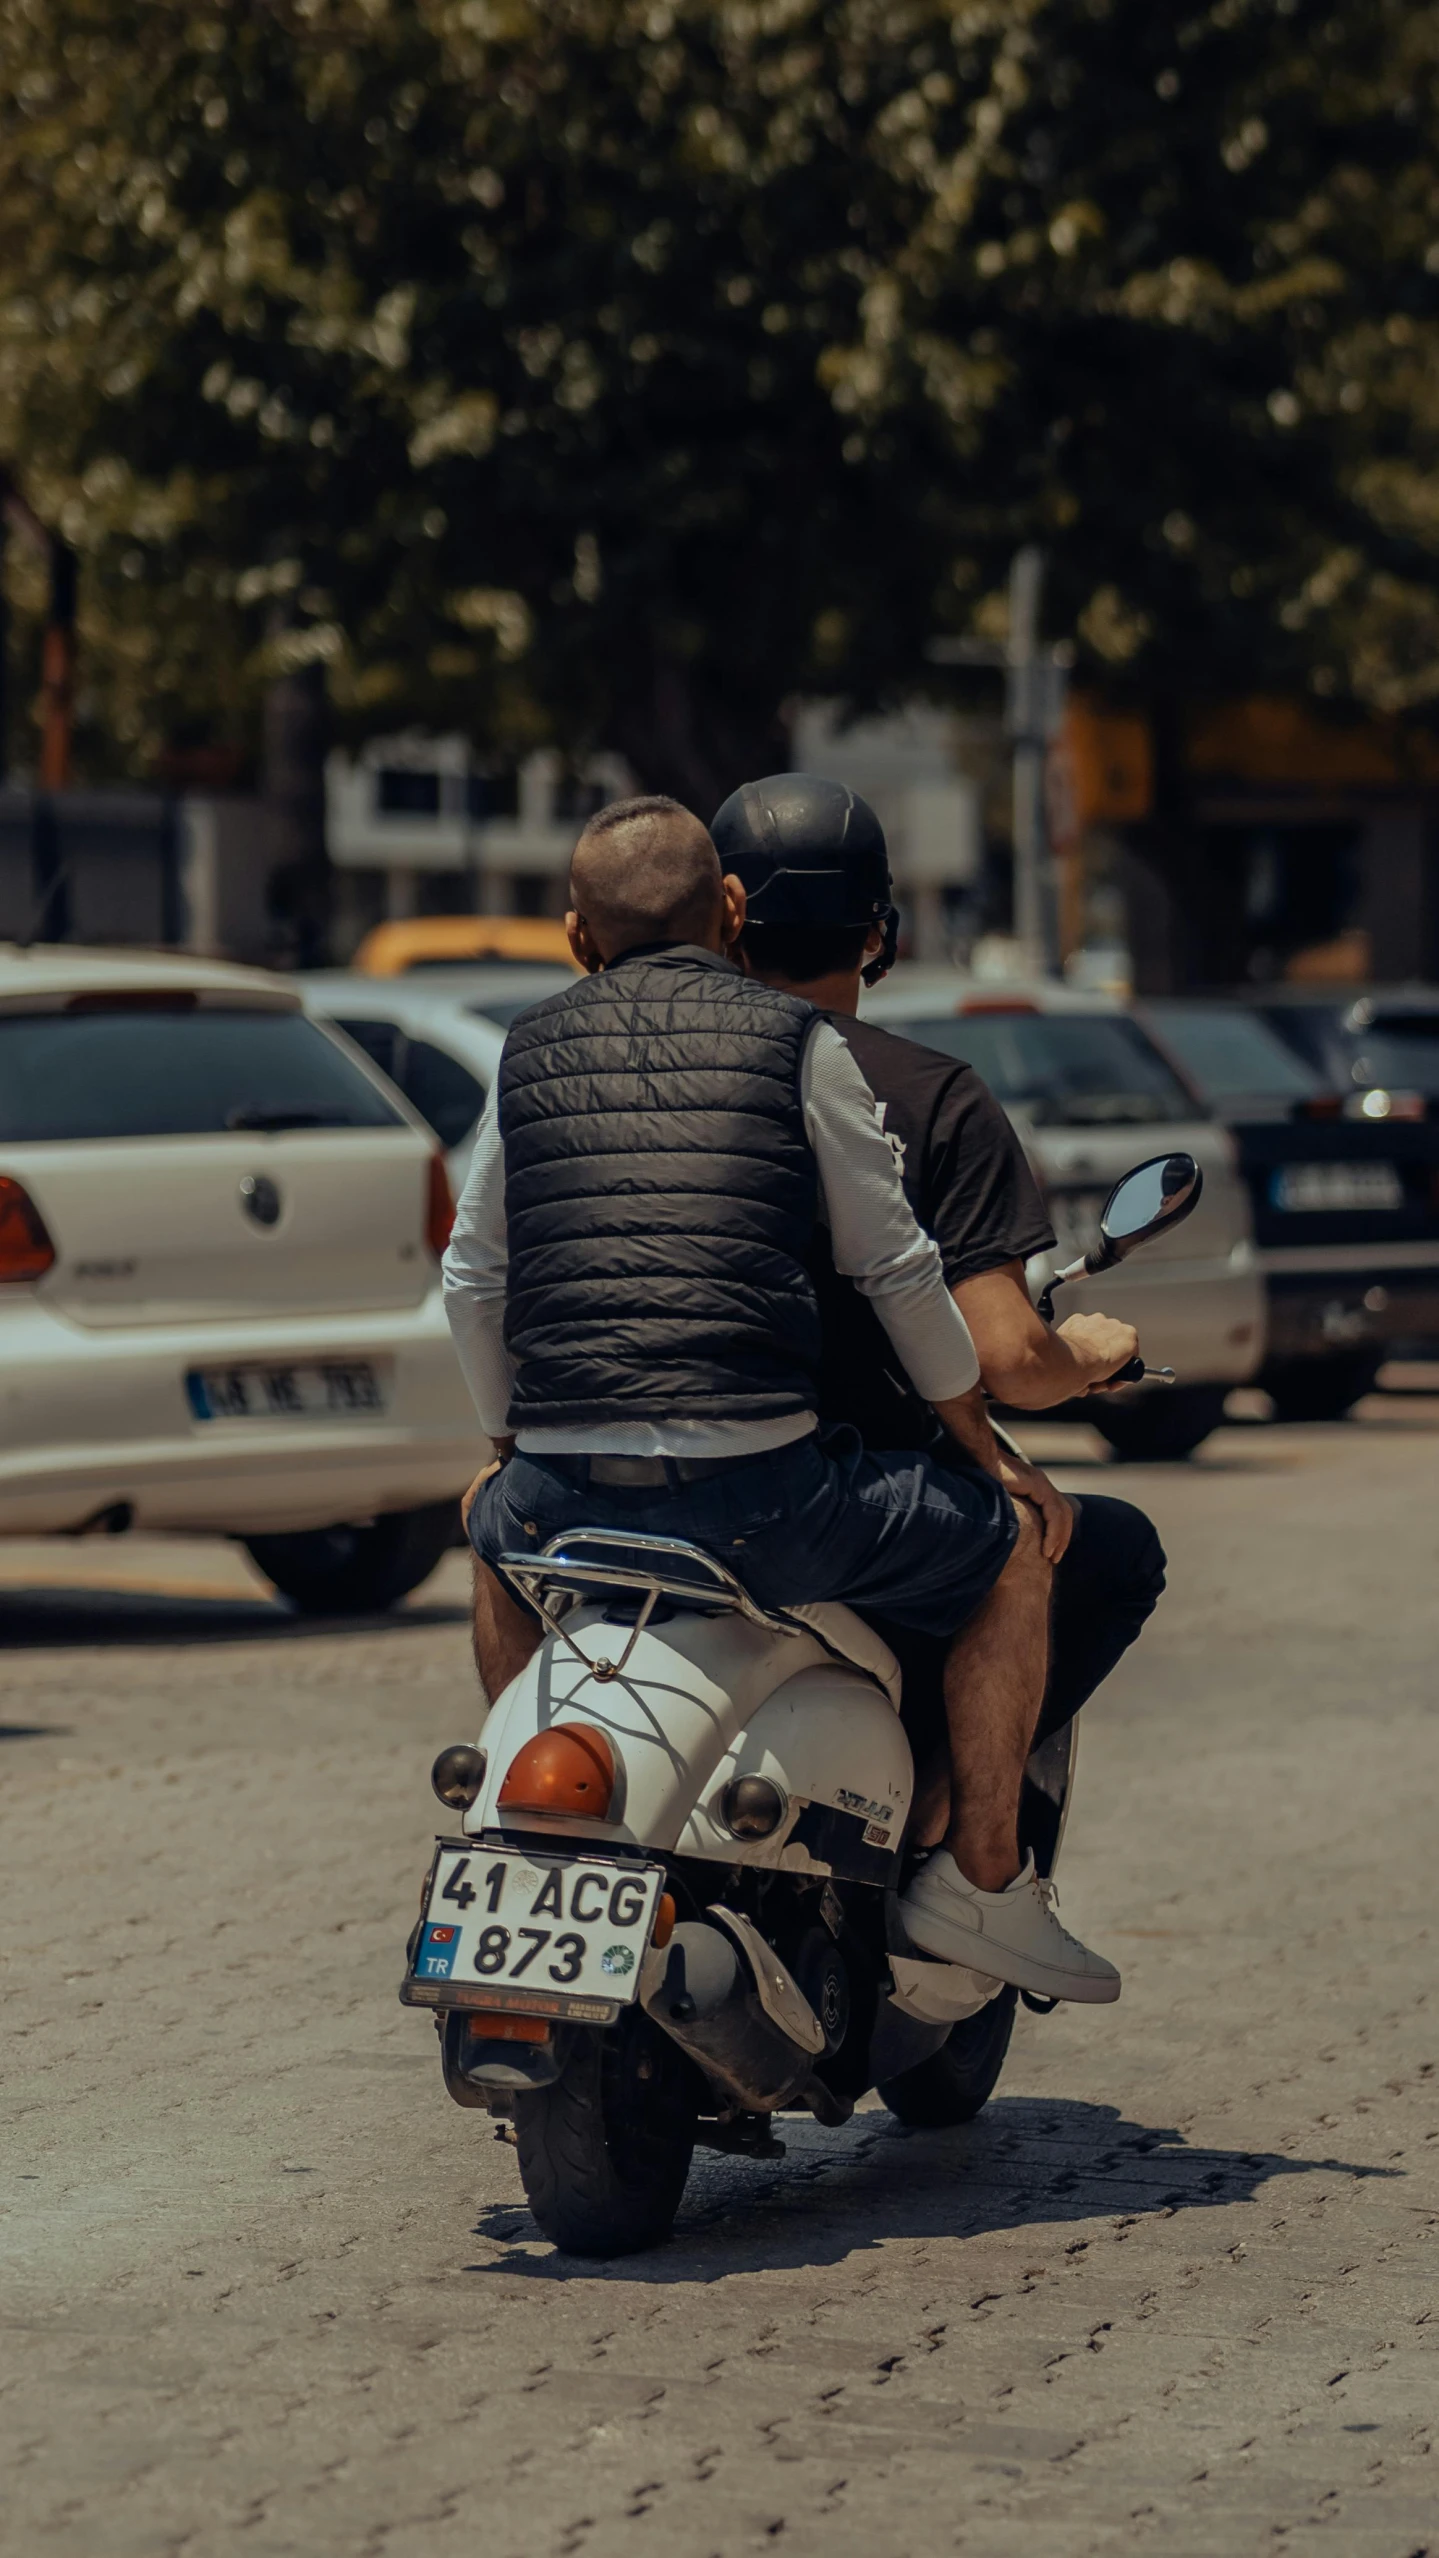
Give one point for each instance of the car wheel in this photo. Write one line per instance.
(1319, 1389)
(346, 1571)
(1166, 1423)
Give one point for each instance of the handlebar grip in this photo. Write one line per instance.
(1131, 1372)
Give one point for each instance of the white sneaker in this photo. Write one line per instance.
(1013, 1935)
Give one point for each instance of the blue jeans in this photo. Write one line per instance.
(889, 1531)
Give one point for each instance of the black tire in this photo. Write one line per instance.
(953, 2084)
(604, 2152)
(343, 1571)
(1319, 1389)
(1166, 1423)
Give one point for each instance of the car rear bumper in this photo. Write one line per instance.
(97, 1421)
(1384, 1305)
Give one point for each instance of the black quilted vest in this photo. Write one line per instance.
(660, 1193)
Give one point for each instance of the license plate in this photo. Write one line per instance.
(535, 1932)
(320, 1391)
(1336, 1187)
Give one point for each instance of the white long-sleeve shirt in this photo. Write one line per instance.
(874, 1238)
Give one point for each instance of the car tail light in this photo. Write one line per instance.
(439, 1207)
(996, 1004)
(26, 1251)
(570, 1768)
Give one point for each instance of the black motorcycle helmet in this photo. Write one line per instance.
(809, 851)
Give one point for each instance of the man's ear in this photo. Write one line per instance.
(733, 919)
(581, 943)
(874, 941)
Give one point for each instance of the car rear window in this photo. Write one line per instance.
(137, 1071)
(1400, 1050)
(1078, 1070)
(1233, 1056)
(443, 1091)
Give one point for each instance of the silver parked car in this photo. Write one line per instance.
(1089, 1093)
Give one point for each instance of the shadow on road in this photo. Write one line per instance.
(80, 1618)
(1027, 2163)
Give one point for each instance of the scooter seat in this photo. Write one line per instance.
(850, 1639)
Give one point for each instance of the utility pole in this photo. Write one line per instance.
(1035, 682)
(1025, 719)
(57, 660)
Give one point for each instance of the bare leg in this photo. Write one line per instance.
(994, 1683)
(506, 1635)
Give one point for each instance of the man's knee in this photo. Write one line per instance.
(1116, 1551)
(1026, 1564)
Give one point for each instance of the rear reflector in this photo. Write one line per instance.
(440, 1207)
(570, 1768)
(493, 2025)
(26, 1251)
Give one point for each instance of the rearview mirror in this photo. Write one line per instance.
(1147, 1202)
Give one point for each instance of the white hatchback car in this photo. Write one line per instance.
(1090, 1094)
(220, 1312)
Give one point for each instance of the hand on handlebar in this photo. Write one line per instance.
(1100, 1346)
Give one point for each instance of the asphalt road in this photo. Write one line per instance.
(267, 2291)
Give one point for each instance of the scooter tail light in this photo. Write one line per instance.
(439, 1207)
(26, 1251)
(569, 1769)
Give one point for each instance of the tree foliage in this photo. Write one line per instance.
(615, 369)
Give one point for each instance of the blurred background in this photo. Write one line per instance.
(425, 418)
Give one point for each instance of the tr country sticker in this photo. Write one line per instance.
(438, 1948)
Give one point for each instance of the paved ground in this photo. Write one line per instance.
(269, 2291)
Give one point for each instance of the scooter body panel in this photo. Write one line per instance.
(701, 1699)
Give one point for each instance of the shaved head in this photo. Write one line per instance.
(644, 870)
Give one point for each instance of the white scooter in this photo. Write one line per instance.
(673, 1911)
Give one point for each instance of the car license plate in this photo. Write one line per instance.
(324, 1390)
(548, 1934)
(1338, 1188)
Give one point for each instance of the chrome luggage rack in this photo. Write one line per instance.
(584, 1561)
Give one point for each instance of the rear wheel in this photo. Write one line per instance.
(329, 1572)
(604, 2152)
(1319, 1389)
(1167, 1423)
(952, 2085)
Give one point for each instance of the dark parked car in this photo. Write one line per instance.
(1345, 1191)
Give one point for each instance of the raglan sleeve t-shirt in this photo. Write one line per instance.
(970, 1186)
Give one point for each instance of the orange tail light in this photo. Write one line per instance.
(570, 1768)
(26, 1251)
(439, 1207)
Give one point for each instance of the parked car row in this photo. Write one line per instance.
(223, 1199)
(1343, 1178)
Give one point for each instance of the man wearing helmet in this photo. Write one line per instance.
(819, 921)
(629, 1290)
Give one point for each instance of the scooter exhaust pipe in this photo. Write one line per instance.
(707, 2001)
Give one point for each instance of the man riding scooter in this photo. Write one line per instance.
(820, 921)
(629, 1296)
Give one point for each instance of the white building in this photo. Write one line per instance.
(415, 826)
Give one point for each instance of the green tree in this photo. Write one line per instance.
(616, 369)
